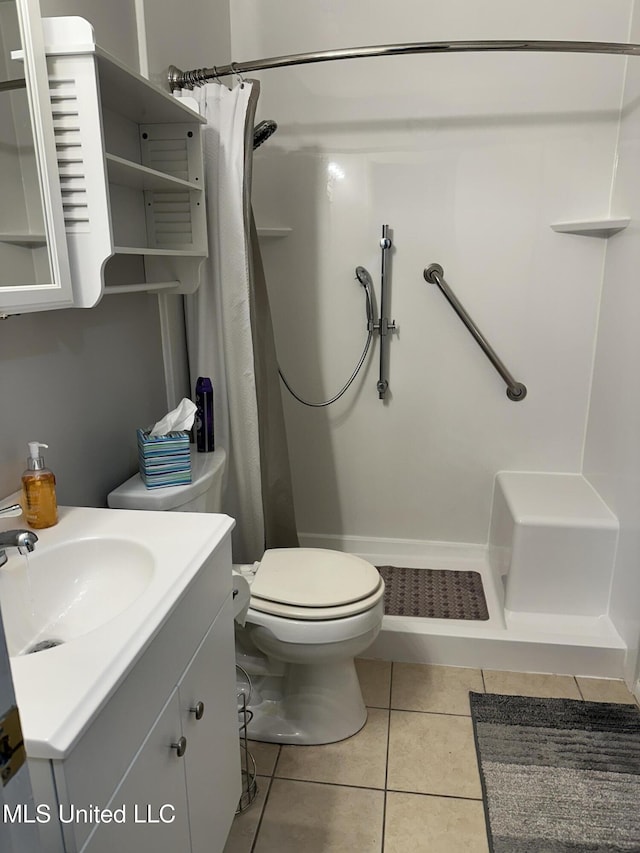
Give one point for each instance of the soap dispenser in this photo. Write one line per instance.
(39, 490)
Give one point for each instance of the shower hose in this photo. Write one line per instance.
(365, 280)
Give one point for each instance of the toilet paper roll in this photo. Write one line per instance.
(241, 597)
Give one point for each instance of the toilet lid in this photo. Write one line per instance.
(290, 611)
(314, 577)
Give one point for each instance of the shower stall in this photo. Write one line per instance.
(515, 169)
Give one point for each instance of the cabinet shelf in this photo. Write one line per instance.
(156, 253)
(604, 227)
(155, 287)
(143, 102)
(123, 90)
(26, 239)
(126, 173)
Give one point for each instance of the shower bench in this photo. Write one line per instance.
(553, 540)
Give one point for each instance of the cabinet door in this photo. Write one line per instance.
(151, 796)
(212, 759)
(34, 261)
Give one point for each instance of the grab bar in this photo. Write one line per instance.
(516, 391)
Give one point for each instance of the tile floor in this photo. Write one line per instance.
(407, 781)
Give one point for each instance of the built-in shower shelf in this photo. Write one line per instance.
(604, 227)
(276, 231)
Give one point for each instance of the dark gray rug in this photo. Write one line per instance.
(558, 775)
(433, 593)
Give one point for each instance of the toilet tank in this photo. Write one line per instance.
(202, 494)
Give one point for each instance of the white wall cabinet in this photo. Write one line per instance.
(130, 170)
(183, 687)
(123, 159)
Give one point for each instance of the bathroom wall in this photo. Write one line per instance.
(612, 452)
(83, 380)
(469, 158)
(194, 34)
(114, 23)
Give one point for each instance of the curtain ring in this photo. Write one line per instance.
(234, 69)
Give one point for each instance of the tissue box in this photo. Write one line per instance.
(164, 460)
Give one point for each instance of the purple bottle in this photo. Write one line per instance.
(204, 415)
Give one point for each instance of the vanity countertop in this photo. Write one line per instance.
(61, 690)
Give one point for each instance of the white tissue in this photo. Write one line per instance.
(241, 597)
(179, 419)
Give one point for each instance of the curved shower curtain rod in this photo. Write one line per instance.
(188, 79)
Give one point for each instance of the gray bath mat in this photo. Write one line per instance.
(558, 775)
(433, 593)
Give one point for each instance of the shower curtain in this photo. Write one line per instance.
(230, 335)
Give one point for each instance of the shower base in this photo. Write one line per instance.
(521, 642)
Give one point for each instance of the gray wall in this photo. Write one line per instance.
(80, 380)
(114, 23)
(83, 380)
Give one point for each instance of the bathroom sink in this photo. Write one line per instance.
(60, 593)
(101, 582)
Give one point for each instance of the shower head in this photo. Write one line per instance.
(262, 131)
(364, 277)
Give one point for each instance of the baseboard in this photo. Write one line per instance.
(411, 553)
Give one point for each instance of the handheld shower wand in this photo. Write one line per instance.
(262, 131)
(364, 277)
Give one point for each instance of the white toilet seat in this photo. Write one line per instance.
(314, 584)
(318, 632)
(289, 611)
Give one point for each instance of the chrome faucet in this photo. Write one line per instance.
(23, 540)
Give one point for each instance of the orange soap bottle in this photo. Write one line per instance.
(39, 490)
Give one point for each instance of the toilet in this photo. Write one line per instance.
(303, 615)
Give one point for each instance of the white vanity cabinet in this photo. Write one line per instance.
(153, 787)
(172, 815)
(163, 752)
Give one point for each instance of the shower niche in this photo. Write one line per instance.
(130, 168)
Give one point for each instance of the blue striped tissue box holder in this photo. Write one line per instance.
(164, 460)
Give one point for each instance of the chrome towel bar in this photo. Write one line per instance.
(516, 391)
